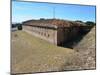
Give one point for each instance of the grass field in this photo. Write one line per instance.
(30, 54)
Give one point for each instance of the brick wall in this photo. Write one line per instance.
(47, 34)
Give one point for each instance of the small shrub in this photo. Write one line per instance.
(89, 23)
(19, 27)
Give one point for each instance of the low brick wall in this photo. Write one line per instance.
(47, 34)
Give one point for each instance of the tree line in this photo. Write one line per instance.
(18, 25)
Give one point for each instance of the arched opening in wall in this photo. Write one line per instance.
(39, 32)
(44, 34)
(48, 35)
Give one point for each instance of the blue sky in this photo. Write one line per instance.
(22, 11)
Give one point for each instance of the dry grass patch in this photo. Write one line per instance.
(31, 54)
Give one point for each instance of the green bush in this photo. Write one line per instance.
(19, 27)
(89, 23)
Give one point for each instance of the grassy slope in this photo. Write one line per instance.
(86, 47)
(31, 54)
